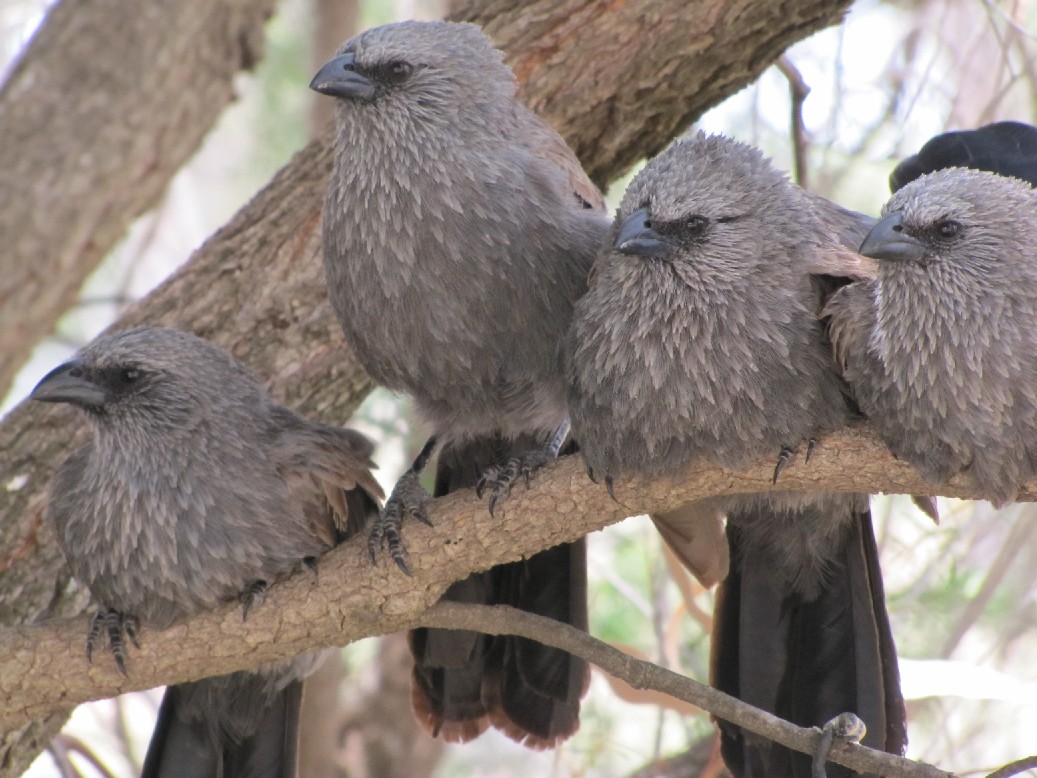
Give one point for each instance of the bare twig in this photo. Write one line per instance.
(1014, 768)
(798, 91)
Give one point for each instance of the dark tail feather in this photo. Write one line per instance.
(179, 747)
(806, 657)
(464, 681)
(215, 729)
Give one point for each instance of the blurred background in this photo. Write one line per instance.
(962, 596)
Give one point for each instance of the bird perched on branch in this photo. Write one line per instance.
(699, 338)
(198, 489)
(458, 232)
(940, 347)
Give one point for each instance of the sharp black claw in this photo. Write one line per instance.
(811, 445)
(254, 595)
(590, 475)
(784, 457)
(609, 485)
(401, 563)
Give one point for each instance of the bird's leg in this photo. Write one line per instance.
(113, 625)
(500, 478)
(407, 498)
(253, 595)
(784, 457)
(845, 726)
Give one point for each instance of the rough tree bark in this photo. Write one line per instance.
(105, 104)
(256, 287)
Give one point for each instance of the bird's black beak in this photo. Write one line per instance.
(887, 240)
(68, 383)
(638, 239)
(339, 78)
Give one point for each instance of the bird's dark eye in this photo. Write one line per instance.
(129, 375)
(948, 228)
(399, 71)
(695, 226)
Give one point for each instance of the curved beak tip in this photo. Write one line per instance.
(339, 78)
(887, 240)
(636, 238)
(67, 384)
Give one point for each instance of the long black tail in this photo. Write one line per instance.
(232, 726)
(466, 681)
(801, 630)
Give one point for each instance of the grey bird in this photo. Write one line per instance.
(940, 348)
(699, 339)
(198, 489)
(459, 229)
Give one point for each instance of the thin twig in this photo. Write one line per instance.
(504, 620)
(1016, 767)
(798, 91)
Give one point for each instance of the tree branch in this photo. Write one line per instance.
(103, 107)
(45, 669)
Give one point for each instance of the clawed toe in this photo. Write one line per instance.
(408, 498)
(500, 480)
(784, 457)
(847, 727)
(254, 595)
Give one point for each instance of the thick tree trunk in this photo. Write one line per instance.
(109, 99)
(257, 288)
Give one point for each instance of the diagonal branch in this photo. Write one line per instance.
(105, 104)
(43, 667)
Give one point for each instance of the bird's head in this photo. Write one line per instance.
(708, 202)
(954, 218)
(148, 375)
(419, 68)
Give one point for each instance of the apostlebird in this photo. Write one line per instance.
(458, 233)
(940, 348)
(197, 489)
(699, 339)
(1006, 148)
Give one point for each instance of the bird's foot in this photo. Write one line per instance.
(253, 595)
(847, 727)
(500, 478)
(408, 498)
(109, 626)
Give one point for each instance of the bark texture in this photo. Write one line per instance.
(43, 667)
(256, 287)
(585, 65)
(108, 100)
